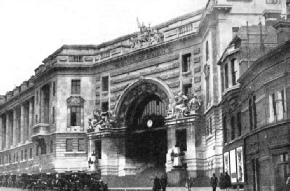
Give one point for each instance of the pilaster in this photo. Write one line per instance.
(22, 123)
(1, 130)
(14, 126)
(30, 120)
(8, 130)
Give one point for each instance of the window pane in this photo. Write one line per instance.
(81, 145)
(75, 86)
(105, 83)
(69, 145)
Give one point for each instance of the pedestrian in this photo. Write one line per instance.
(188, 183)
(228, 181)
(157, 184)
(222, 182)
(163, 182)
(288, 183)
(213, 182)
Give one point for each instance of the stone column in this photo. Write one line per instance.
(14, 134)
(30, 120)
(1, 130)
(22, 124)
(7, 145)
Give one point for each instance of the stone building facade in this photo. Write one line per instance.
(150, 99)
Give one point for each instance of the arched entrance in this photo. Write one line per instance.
(142, 109)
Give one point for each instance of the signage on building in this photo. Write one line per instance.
(234, 165)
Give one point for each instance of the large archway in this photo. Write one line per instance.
(142, 109)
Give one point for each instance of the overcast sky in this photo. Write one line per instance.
(31, 30)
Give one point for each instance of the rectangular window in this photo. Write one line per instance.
(186, 60)
(187, 89)
(17, 156)
(69, 145)
(251, 114)
(272, 107)
(105, 83)
(30, 153)
(181, 139)
(271, 1)
(53, 88)
(37, 150)
(226, 76)
(21, 155)
(75, 87)
(210, 126)
(53, 115)
(254, 112)
(98, 149)
(25, 154)
(51, 146)
(233, 130)
(36, 118)
(76, 58)
(105, 106)
(81, 145)
(239, 123)
(225, 130)
(75, 119)
(234, 71)
(280, 102)
(206, 51)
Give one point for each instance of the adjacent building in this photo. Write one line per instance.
(148, 102)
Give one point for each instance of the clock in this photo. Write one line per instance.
(149, 123)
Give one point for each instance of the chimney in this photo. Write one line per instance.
(283, 31)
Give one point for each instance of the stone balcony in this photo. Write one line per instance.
(106, 131)
(40, 130)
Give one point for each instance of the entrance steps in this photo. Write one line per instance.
(143, 180)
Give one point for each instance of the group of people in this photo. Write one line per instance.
(159, 184)
(224, 182)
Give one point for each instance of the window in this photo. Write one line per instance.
(271, 1)
(105, 106)
(226, 76)
(225, 130)
(186, 60)
(76, 58)
(105, 83)
(36, 118)
(43, 148)
(25, 154)
(37, 94)
(81, 145)
(234, 71)
(187, 89)
(181, 139)
(185, 28)
(251, 114)
(30, 153)
(69, 145)
(75, 87)
(272, 107)
(53, 115)
(254, 112)
(239, 123)
(53, 88)
(233, 130)
(37, 150)
(206, 51)
(75, 119)
(98, 149)
(209, 126)
(51, 146)
(21, 155)
(17, 156)
(280, 102)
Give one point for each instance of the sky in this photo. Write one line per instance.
(31, 30)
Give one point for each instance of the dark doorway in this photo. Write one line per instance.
(148, 146)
